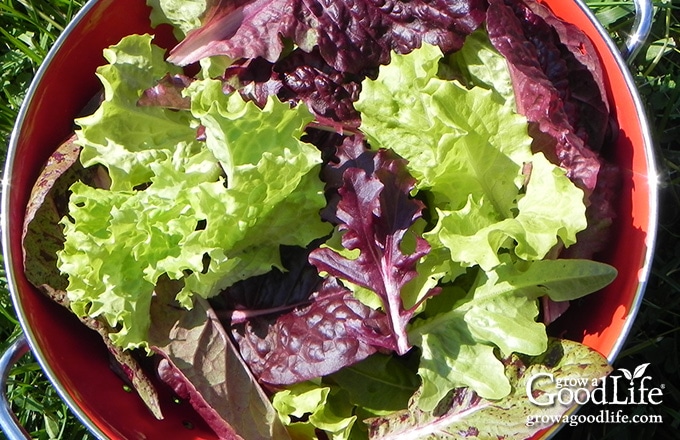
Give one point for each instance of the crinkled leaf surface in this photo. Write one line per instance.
(333, 331)
(118, 134)
(455, 139)
(351, 36)
(550, 211)
(469, 149)
(464, 415)
(187, 221)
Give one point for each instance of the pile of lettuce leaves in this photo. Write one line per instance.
(353, 219)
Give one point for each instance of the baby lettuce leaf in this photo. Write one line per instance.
(499, 310)
(464, 415)
(375, 212)
(351, 36)
(170, 210)
(310, 406)
(201, 364)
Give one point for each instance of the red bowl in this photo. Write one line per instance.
(79, 370)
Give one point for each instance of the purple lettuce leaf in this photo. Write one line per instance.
(540, 78)
(375, 211)
(333, 331)
(586, 101)
(352, 36)
(201, 364)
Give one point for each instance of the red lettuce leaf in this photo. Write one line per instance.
(351, 35)
(375, 211)
(333, 331)
(201, 364)
(541, 79)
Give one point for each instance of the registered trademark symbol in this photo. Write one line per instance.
(663, 386)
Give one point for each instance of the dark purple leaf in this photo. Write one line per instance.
(328, 92)
(543, 70)
(586, 96)
(333, 331)
(271, 293)
(375, 210)
(201, 363)
(352, 35)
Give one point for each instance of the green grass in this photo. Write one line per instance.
(28, 28)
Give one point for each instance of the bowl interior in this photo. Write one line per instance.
(76, 362)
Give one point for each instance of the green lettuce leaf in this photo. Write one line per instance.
(307, 406)
(551, 211)
(458, 141)
(170, 209)
(499, 311)
(471, 150)
(118, 135)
